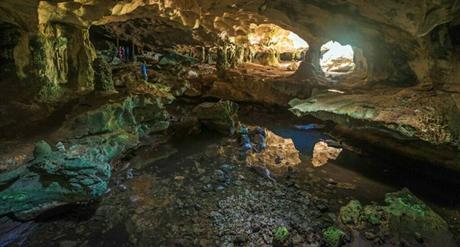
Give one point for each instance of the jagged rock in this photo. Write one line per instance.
(254, 83)
(350, 214)
(172, 59)
(102, 76)
(278, 155)
(134, 114)
(82, 172)
(322, 153)
(404, 217)
(407, 112)
(52, 180)
(404, 115)
(221, 116)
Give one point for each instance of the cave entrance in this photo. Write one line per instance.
(336, 59)
(276, 47)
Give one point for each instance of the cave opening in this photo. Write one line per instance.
(337, 59)
(277, 47)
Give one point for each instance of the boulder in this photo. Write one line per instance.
(55, 179)
(81, 172)
(134, 114)
(403, 217)
(42, 148)
(221, 116)
(322, 153)
(278, 155)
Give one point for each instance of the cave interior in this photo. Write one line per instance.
(230, 123)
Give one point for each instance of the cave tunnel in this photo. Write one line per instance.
(229, 123)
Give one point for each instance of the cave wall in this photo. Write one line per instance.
(405, 43)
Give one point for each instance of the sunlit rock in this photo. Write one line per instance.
(278, 155)
(322, 153)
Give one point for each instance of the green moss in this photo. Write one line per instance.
(333, 236)
(407, 213)
(42, 149)
(350, 213)
(403, 215)
(280, 233)
(102, 76)
(373, 214)
(46, 90)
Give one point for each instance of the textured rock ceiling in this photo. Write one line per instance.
(380, 28)
(310, 19)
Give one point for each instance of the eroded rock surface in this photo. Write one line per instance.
(404, 216)
(221, 116)
(322, 153)
(406, 114)
(410, 113)
(278, 156)
(81, 172)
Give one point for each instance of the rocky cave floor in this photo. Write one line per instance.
(193, 189)
(197, 191)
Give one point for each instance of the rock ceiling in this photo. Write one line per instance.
(392, 33)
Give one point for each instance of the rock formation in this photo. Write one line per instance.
(82, 172)
(403, 214)
(96, 78)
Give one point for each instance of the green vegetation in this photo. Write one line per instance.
(350, 213)
(280, 233)
(333, 236)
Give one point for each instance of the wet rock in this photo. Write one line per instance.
(386, 117)
(403, 216)
(81, 179)
(122, 187)
(220, 116)
(136, 115)
(14, 232)
(208, 188)
(350, 214)
(42, 149)
(322, 207)
(278, 156)
(130, 173)
(81, 173)
(60, 146)
(370, 235)
(67, 243)
(322, 153)
(399, 110)
(264, 172)
(226, 168)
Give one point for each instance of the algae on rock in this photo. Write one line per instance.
(221, 116)
(50, 180)
(102, 76)
(404, 217)
(333, 236)
(82, 172)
